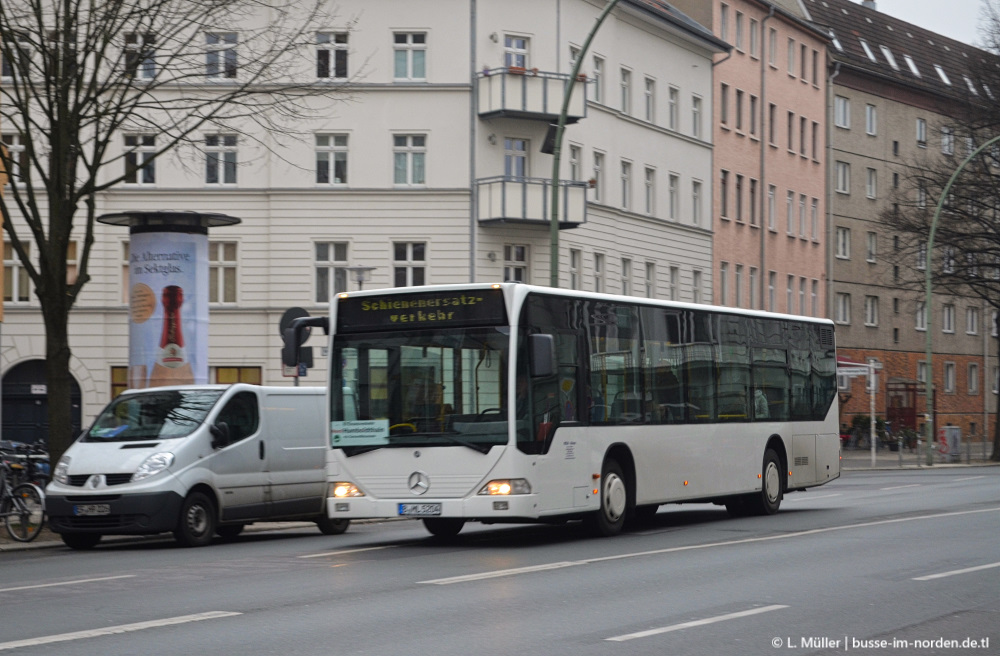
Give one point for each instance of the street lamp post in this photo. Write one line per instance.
(557, 148)
(929, 383)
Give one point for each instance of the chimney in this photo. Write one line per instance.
(869, 4)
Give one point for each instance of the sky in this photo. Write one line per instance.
(958, 19)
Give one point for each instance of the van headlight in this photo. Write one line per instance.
(61, 472)
(153, 465)
(506, 486)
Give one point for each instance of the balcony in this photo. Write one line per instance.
(514, 92)
(525, 201)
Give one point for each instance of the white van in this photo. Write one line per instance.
(197, 461)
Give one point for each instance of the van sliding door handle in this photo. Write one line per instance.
(260, 448)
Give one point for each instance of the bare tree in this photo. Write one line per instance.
(965, 261)
(81, 75)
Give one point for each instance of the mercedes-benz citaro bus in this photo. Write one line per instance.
(516, 403)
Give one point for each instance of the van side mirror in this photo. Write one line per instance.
(220, 435)
(542, 354)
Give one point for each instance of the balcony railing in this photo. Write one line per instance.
(514, 92)
(527, 201)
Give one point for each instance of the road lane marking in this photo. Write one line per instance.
(967, 478)
(693, 547)
(809, 498)
(688, 625)
(504, 572)
(121, 628)
(347, 551)
(52, 585)
(900, 487)
(954, 572)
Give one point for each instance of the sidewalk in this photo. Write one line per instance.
(972, 454)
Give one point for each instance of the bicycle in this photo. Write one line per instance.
(22, 506)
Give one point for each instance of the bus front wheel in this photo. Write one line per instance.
(767, 501)
(444, 527)
(613, 491)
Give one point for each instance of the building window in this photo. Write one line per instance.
(673, 107)
(599, 272)
(650, 280)
(222, 272)
(753, 115)
(752, 202)
(515, 51)
(724, 194)
(575, 257)
(872, 246)
(871, 310)
(650, 100)
(772, 47)
(233, 375)
(842, 308)
(20, 63)
(947, 140)
(673, 200)
(754, 38)
(220, 159)
(626, 276)
(331, 272)
(771, 193)
(675, 283)
(790, 213)
(815, 298)
(871, 183)
(140, 167)
(921, 316)
(140, 56)
(841, 112)
(598, 176)
(119, 381)
(598, 79)
(723, 283)
(754, 287)
(696, 202)
(220, 55)
(739, 31)
(871, 120)
(409, 263)
(738, 285)
(922, 256)
(922, 133)
(696, 286)
(948, 318)
(515, 263)
(331, 55)
(409, 52)
(696, 117)
(724, 104)
(790, 295)
(972, 380)
(331, 159)
(18, 163)
(802, 296)
(739, 109)
(575, 154)
(972, 321)
(843, 243)
(626, 90)
(650, 191)
(949, 377)
(843, 178)
(739, 197)
(409, 154)
(515, 156)
(16, 283)
(815, 219)
(772, 283)
(626, 185)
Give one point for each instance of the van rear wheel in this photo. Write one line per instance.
(196, 525)
(229, 531)
(81, 541)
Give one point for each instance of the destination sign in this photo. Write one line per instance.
(480, 307)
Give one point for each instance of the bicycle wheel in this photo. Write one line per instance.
(25, 512)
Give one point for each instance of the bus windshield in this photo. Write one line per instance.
(440, 387)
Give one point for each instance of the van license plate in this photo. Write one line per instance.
(420, 509)
(92, 509)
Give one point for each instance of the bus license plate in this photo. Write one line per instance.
(92, 509)
(420, 509)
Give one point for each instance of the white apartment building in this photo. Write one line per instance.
(431, 173)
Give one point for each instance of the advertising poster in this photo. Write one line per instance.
(168, 309)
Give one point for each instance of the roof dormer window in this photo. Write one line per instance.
(942, 74)
(889, 58)
(868, 50)
(972, 87)
(912, 64)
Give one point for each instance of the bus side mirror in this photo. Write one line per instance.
(542, 350)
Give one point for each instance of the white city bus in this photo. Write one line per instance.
(514, 403)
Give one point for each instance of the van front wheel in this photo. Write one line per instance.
(329, 526)
(196, 525)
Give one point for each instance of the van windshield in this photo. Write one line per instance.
(152, 415)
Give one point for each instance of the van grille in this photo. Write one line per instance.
(78, 480)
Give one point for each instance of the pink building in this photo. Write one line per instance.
(769, 129)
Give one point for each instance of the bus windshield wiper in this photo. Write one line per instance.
(481, 448)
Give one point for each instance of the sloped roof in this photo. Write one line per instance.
(851, 23)
(674, 15)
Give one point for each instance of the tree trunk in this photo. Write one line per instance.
(58, 377)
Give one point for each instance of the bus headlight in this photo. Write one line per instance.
(343, 490)
(506, 486)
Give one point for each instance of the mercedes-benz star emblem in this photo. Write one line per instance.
(418, 483)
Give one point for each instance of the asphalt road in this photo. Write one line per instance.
(896, 562)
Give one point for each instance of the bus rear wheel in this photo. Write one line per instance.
(613, 491)
(444, 527)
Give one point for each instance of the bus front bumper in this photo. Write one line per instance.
(480, 508)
